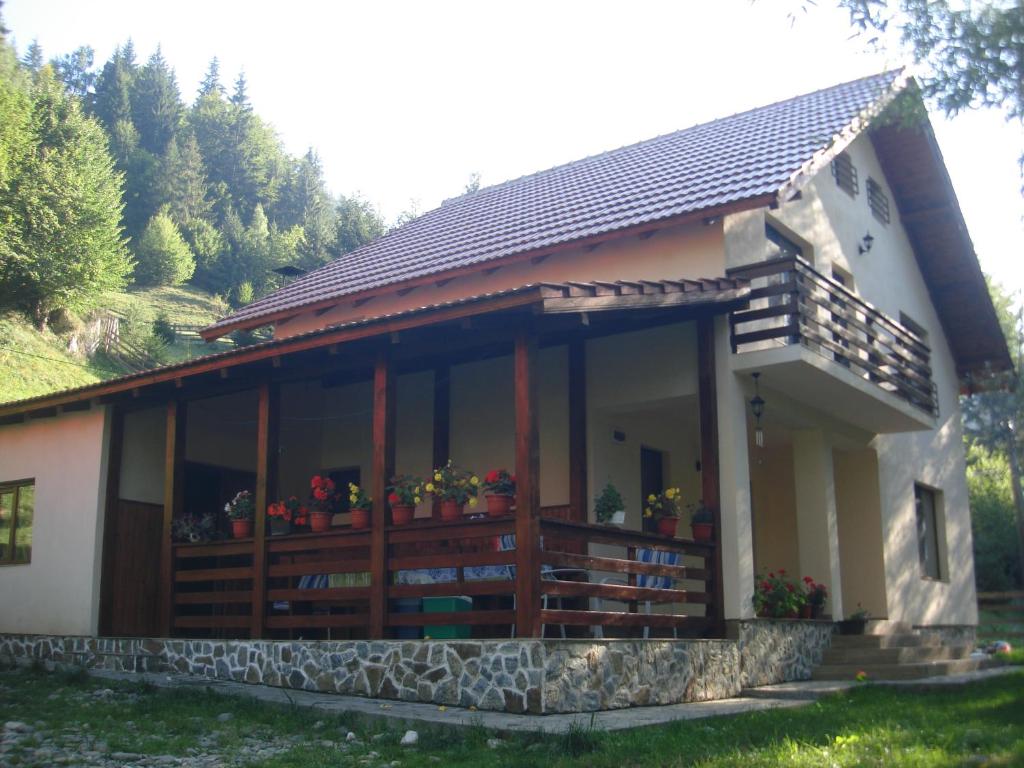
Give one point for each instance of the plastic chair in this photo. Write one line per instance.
(657, 556)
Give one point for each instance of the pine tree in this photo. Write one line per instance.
(75, 71)
(211, 80)
(33, 58)
(164, 257)
(358, 224)
(240, 98)
(184, 181)
(156, 105)
(112, 102)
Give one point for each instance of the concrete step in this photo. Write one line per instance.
(885, 641)
(911, 671)
(896, 655)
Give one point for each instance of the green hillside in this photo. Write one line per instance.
(34, 363)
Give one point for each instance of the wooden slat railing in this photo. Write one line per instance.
(793, 303)
(213, 588)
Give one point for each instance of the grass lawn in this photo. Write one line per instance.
(978, 724)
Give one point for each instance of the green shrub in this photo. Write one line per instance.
(164, 257)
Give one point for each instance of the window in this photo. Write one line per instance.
(17, 506)
(927, 503)
(913, 326)
(845, 174)
(780, 246)
(878, 201)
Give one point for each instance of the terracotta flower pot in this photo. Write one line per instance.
(667, 526)
(806, 611)
(360, 518)
(320, 522)
(451, 510)
(498, 505)
(280, 527)
(401, 514)
(241, 529)
(702, 531)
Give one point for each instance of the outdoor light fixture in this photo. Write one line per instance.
(757, 408)
(865, 244)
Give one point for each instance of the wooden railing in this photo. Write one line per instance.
(319, 585)
(793, 303)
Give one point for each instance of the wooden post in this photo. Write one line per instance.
(442, 423)
(113, 492)
(267, 431)
(383, 469)
(528, 554)
(577, 430)
(710, 489)
(174, 471)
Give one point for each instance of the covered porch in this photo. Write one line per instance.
(570, 386)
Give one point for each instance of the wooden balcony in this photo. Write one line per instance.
(794, 305)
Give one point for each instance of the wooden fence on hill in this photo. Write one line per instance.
(1001, 617)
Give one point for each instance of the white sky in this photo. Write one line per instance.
(404, 100)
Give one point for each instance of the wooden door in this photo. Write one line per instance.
(135, 571)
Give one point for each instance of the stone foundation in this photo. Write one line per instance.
(779, 650)
(536, 676)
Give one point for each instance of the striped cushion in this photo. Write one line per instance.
(660, 557)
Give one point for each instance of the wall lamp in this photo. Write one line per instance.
(757, 408)
(865, 244)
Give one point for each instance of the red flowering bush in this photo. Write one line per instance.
(499, 483)
(323, 495)
(290, 510)
(777, 597)
(816, 593)
(405, 490)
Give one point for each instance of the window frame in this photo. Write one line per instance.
(845, 174)
(936, 537)
(878, 201)
(14, 487)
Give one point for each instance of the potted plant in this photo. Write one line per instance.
(404, 493)
(702, 523)
(609, 508)
(360, 506)
(777, 597)
(323, 503)
(855, 623)
(240, 512)
(816, 595)
(282, 514)
(499, 491)
(454, 487)
(664, 508)
(193, 530)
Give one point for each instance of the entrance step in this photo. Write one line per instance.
(885, 641)
(907, 654)
(899, 671)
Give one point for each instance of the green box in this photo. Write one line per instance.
(458, 603)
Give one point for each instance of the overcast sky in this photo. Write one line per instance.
(404, 100)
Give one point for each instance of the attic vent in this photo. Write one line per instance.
(878, 201)
(845, 174)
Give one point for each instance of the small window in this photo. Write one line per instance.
(878, 201)
(845, 174)
(913, 326)
(926, 502)
(17, 507)
(780, 246)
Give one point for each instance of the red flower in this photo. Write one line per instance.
(319, 494)
(492, 476)
(765, 586)
(808, 580)
(329, 484)
(790, 587)
(782, 571)
(316, 481)
(393, 498)
(512, 478)
(771, 575)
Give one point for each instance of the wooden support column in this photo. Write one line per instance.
(442, 423)
(111, 498)
(577, 431)
(267, 432)
(174, 476)
(528, 555)
(710, 488)
(383, 469)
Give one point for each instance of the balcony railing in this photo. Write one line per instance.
(793, 303)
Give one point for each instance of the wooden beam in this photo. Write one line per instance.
(112, 496)
(577, 430)
(527, 484)
(267, 430)
(707, 397)
(383, 469)
(174, 470)
(442, 423)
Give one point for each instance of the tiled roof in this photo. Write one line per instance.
(628, 294)
(727, 161)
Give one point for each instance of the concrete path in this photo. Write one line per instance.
(407, 714)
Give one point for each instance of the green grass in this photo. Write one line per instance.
(977, 724)
(181, 304)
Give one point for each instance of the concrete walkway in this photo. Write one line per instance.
(407, 714)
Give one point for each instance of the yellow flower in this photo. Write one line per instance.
(430, 487)
(437, 477)
(474, 480)
(647, 512)
(353, 498)
(418, 499)
(670, 493)
(652, 498)
(353, 487)
(472, 501)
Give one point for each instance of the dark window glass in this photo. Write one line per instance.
(17, 510)
(927, 532)
(878, 201)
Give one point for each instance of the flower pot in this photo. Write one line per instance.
(241, 529)
(817, 610)
(451, 510)
(702, 531)
(360, 518)
(806, 611)
(618, 517)
(280, 527)
(667, 526)
(401, 514)
(852, 626)
(498, 505)
(320, 522)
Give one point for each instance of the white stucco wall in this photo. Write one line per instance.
(58, 592)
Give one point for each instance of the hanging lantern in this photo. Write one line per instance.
(757, 408)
